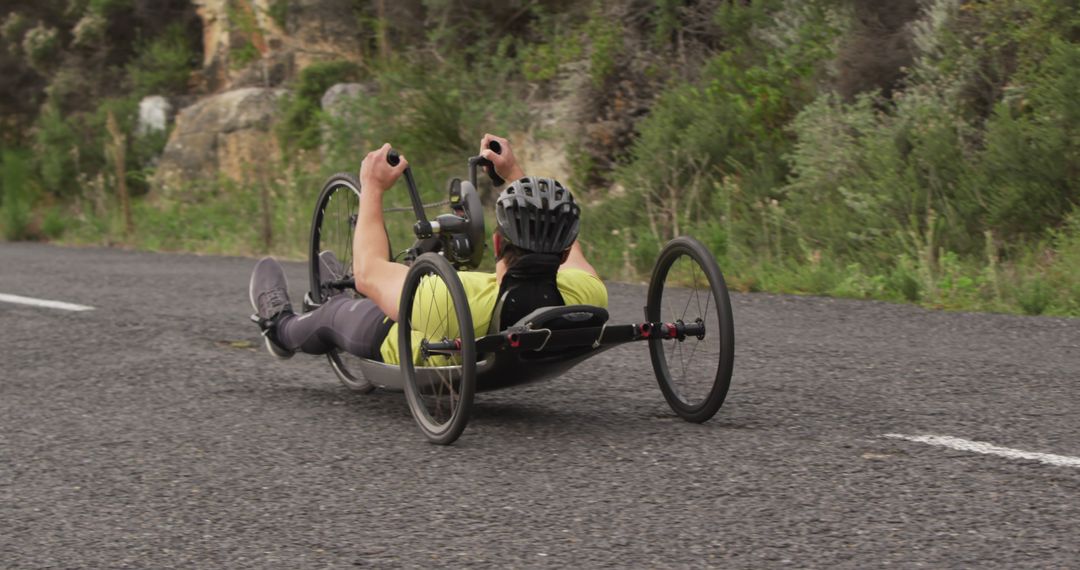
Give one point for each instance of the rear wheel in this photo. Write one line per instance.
(332, 230)
(437, 348)
(686, 286)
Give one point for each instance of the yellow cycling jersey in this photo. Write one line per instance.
(433, 316)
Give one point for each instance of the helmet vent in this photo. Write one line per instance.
(538, 215)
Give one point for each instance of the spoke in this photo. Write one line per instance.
(705, 315)
(347, 237)
(454, 395)
(444, 323)
(687, 307)
(696, 297)
(682, 359)
(430, 307)
(694, 351)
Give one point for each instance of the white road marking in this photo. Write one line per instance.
(43, 303)
(988, 449)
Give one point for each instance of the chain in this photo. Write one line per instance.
(409, 208)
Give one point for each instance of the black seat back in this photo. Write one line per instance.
(530, 283)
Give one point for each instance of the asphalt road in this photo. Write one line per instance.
(147, 433)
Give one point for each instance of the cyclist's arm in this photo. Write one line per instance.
(576, 260)
(378, 278)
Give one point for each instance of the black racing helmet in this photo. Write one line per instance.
(538, 215)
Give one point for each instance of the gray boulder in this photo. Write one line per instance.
(226, 135)
(341, 136)
(336, 99)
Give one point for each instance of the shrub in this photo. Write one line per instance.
(13, 29)
(541, 61)
(242, 54)
(279, 12)
(16, 193)
(1034, 295)
(300, 125)
(728, 126)
(164, 64)
(41, 45)
(606, 39)
(1029, 169)
(109, 7)
(89, 32)
(57, 151)
(53, 223)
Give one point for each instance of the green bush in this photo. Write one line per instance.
(164, 64)
(279, 12)
(110, 7)
(541, 61)
(16, 194)
(606, 38)
(301, 110)
(724, 134)
(1029, 167)
(90, 31)
(1034, 295)
(41, 45)
(13, 29)
(53, 224)
(242, 54)
(57, 151)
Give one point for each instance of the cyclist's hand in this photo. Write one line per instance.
(505, 163)
(376, 174)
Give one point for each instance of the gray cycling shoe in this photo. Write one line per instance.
(269, 294)
(330, 269)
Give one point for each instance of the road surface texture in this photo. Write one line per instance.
(150, 433)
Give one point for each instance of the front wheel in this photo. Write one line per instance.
(437, 348)
(332, 229)
(694, 372)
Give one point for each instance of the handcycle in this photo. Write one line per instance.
(687, 315)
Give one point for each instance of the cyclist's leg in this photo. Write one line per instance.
(356, 326)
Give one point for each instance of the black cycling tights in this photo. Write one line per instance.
(356, 326)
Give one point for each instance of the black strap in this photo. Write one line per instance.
(532, 282)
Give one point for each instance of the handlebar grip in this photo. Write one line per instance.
(393, 158)
(495, 178)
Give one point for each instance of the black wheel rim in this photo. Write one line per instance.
(440, 384)
(335, 222)
(694, 373)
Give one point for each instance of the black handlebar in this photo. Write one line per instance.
(476, 161)
(393, 158)
(460, 235)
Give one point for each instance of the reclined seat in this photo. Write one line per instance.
(532, 282)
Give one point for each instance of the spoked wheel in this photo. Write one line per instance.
(694, 373)
(332, 230)
(437, 348)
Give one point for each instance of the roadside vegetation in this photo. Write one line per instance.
(911, 151)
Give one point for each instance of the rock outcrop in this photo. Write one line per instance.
(266, 42)
(229, 134)
(336, 99)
